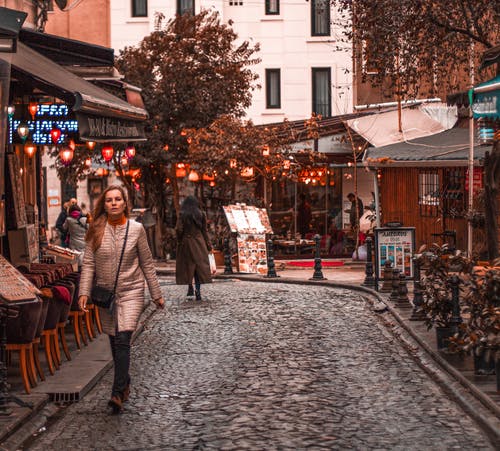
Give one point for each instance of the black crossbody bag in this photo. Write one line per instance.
(103, 297)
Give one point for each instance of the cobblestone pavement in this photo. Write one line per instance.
(268, 366)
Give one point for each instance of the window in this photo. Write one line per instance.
(273, 88)
(428, 193)
(185, 7)
(272, 7)
(321, 91)
(454, 198)
(139, 8)
(320, 17)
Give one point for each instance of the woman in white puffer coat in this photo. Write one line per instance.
(104, 243)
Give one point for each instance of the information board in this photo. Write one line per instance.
(396, 244)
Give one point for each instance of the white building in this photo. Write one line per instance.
(302, 70)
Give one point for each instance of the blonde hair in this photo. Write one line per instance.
(100, 217)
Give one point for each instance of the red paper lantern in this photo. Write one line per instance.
(130, 151)
(107, 152)
(66, 155)
(33, 108)
(90, 145)
(55, 134)
(30, 149)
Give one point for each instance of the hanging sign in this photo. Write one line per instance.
(99, 129)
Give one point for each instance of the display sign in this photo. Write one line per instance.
(247, 219)
(396, 244)
(48, 116)
(96, 128)
(251, 224)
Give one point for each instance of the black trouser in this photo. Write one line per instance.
(120, 348)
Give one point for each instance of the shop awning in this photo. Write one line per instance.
(486, 99)
(101, 116)
(449, 148)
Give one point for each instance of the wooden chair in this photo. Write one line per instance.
(49, 335)
(20, 334)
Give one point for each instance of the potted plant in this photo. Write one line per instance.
(438, 266)
(481, 332)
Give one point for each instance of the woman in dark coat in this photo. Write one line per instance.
(193, 247)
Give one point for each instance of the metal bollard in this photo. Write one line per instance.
(271, 268)
(456, 318)
(394, 286)
(228, 267)
(403, 300)
(318, 273)
(387, 277)
(369, 279)
(418, 313)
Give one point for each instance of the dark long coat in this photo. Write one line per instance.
(193, 246)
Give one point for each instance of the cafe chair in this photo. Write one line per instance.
(20, 334)
(36, 341)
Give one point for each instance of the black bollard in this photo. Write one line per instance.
(318, 273)
(403, 300)
(369, 279)
(456, 318)
(228, 267)
(387, 277)
(271, 268)
(417, 313)
(395, 285)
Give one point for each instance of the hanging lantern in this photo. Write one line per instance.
(72, 145)
(247, 172)
(107, 152)
(29, 149)
(88, 162)
(11, 109)
(90, 145)
(130, 151)
(193, 176)
(208, 178)
(180, 170)
(232, 163)
(66, 155)
(165, 147)
(265, 151)
(23, 131)
(33, 108)
(212, 183)
(55, 134)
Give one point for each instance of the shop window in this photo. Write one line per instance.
(321, 91)
(273, 88)
(320, 17)
(139, 8)
(368, 66)
(272, 7)
(454, 196)
(428, 193)
(235, 3)
(185, 7)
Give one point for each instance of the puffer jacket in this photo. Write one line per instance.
(137, 266)
(77, 229)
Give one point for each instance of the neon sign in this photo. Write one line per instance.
(47, 116)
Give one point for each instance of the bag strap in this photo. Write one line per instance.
(121, 257)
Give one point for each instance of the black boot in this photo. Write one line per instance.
(198, 295)
(190, 291)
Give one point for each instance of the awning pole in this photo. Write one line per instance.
(470, 203)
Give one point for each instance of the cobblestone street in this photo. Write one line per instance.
(268, 366)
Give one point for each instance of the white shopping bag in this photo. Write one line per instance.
(211, 260)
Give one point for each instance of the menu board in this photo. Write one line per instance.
(247, 219)
(396, 244)
(15, 287)
(251, 253)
